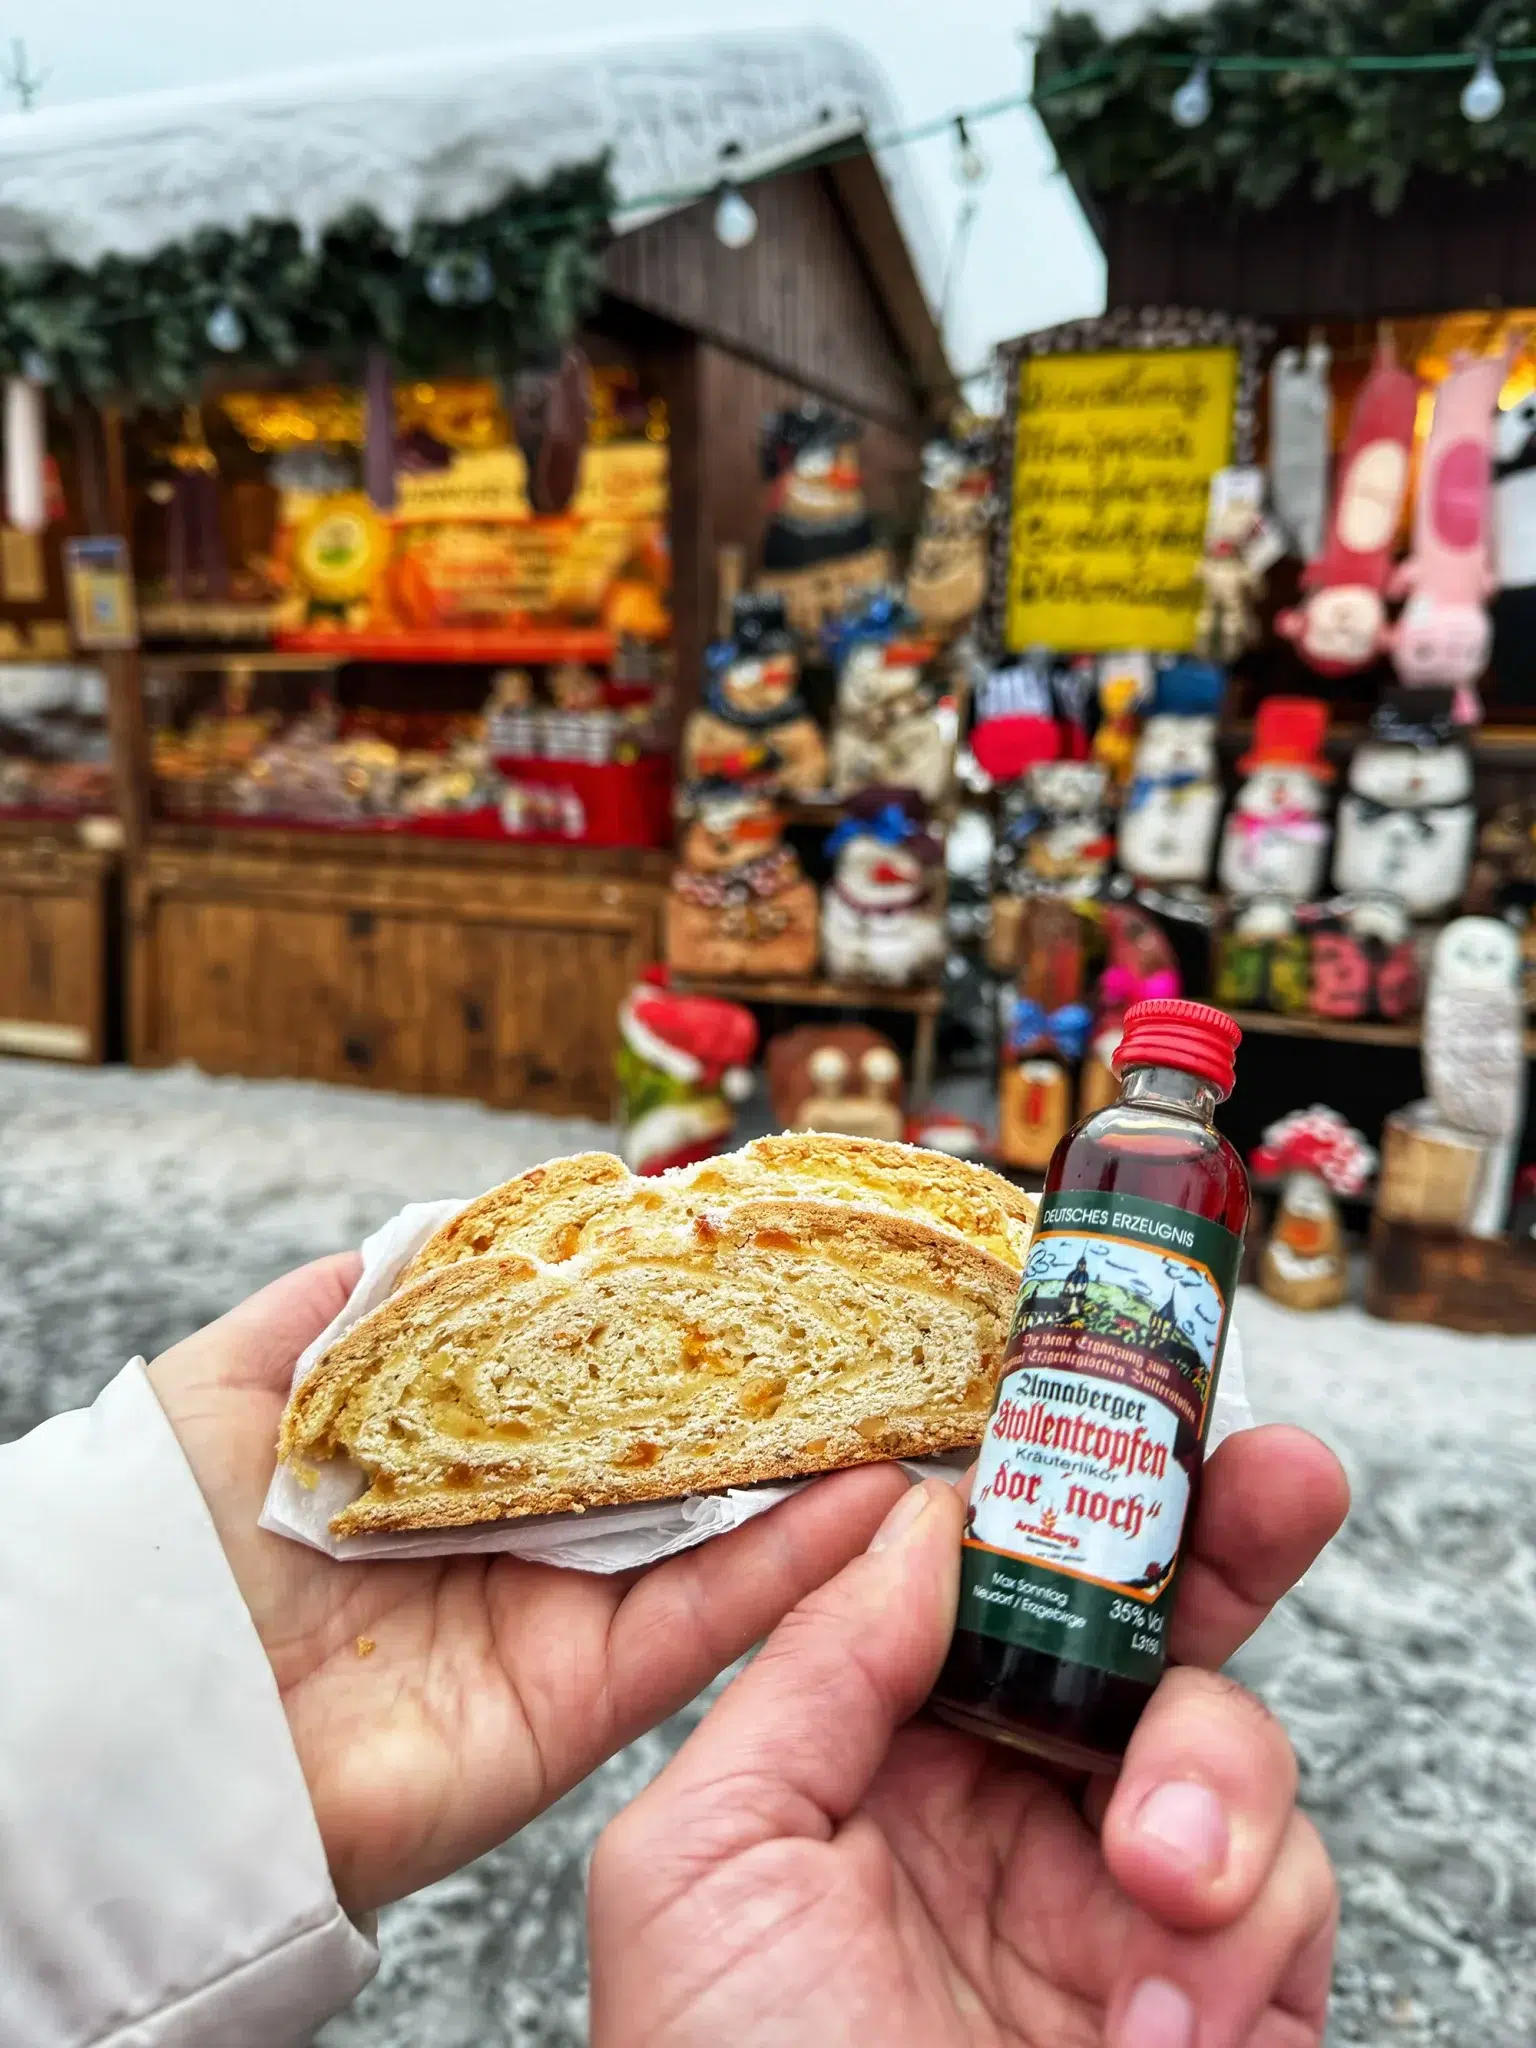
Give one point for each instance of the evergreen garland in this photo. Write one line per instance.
(1270, 132)
(484, 295)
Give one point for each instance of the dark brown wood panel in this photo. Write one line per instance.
(1447, 247)
(798, 300)
(506, 987)
(735, 397)
(53, 944)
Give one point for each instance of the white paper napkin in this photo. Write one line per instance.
(601, 1540)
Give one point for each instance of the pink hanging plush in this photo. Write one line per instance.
(1341, 624)
(1444, 636)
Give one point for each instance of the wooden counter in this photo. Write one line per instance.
(425, 966)
(53, 942)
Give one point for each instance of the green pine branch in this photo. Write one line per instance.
(1276, 131)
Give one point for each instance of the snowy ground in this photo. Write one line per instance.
(134, 1207)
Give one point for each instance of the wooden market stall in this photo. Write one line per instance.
(525, 222)
(1350, 203)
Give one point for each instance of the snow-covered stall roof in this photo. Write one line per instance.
(434, 137)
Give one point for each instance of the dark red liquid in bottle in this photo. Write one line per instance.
(1156, 1143)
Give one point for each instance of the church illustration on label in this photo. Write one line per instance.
(1118, 1296)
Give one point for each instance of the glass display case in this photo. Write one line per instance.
(545, 752)
(55, 754)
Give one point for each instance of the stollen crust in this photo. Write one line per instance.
(555, 1211)
(773, 1339)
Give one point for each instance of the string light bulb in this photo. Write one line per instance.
(1482, 97)
(735, 221)
(1192, 102)
(225, 330)
(971, 166)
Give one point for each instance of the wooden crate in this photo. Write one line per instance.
(430, 976)
(1422, 1275)
(53, 947)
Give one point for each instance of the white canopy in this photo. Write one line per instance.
(432, 137)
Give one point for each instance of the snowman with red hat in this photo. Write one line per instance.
(1274, 847)
(684, 1066)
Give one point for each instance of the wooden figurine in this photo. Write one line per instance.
(1444, 636)
(739, 904)
(684, 1065)
(1125, 690)
(1340, 627)
(820, 549)
(1406, 820)
(1315, 1156)
(752, 728)
(947, 578)
(1066, 846)
(1172, 810)
(836, 1077)
(1440, 1251)
(1474, 1052)
(1048, 1026)
(882, 914)
(1231, 584)
(1274, 846)
(888, 730)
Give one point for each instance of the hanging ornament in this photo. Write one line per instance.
(225, 330)
(463, 277)
(26, 502)
(378, 430)
(1482, 97)
(971, 167)
(735, 221)
(1192, 102)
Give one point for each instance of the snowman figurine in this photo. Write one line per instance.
(1407, 820)
(1173, 807)
(1274, 847)
(882, 917)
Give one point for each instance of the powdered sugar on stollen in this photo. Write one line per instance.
(609, 1539)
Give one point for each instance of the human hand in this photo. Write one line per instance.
(493, 1685)
(807, 1869)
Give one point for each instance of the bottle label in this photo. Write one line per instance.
(1078, 1509)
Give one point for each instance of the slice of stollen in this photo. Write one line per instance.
(555, 1211)
(779, 1339)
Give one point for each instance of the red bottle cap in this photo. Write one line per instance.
(1190, 1036)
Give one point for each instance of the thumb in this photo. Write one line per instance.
(790, 1748)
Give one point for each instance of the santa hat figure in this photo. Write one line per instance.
(684, 1062)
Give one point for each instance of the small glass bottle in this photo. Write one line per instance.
(1090, 1469)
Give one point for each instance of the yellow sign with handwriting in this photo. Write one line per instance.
(1112, 473)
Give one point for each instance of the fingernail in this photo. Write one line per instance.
(1158, 2016)
(1187, 1821)
(908, 1510)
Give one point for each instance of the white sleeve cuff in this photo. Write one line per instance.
(162, 1879)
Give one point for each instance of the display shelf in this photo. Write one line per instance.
(257, 660)
(470, 644)
(1269, 1023)
(925, 1004)
(1493, 746)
